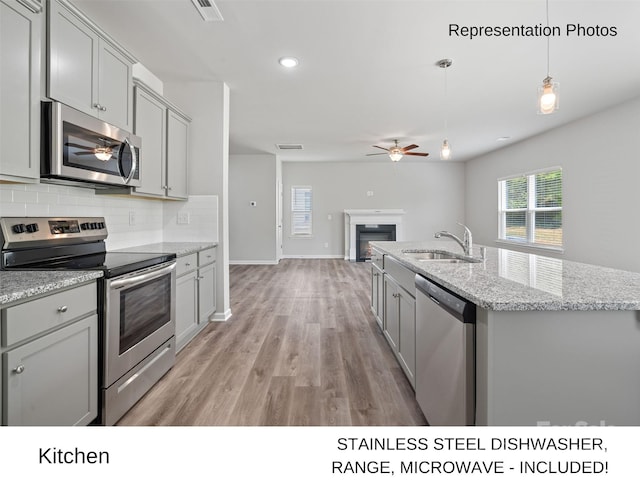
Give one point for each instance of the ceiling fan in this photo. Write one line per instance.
(397, 152)
(102, 152)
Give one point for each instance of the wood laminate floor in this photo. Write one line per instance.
(301, 348)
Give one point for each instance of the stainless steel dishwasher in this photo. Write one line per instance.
(445, 355)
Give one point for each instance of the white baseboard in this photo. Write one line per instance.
(313, 256)
(221, 316)
(253, 262)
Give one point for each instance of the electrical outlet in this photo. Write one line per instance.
(253, 203)
(184, 218)
(329, 217)
(326, 244)
(369, 193)
(132, 217)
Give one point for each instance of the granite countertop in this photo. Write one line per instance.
(179, 248)
(510, 280)
(17, 285)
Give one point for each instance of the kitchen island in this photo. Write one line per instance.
(556, 342)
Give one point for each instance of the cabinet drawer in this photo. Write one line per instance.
(31, 318)
(186, 264)
(205, 257)
(376, 258)
(401, 274)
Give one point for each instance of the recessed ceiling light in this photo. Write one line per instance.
(502, 139)
(288, 62)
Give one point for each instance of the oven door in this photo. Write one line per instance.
(139, 317)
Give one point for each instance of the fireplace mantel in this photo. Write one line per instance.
(368, 217)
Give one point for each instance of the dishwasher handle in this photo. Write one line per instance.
(457, 306)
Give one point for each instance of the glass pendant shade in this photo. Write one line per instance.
(548, 97)
(445, 150)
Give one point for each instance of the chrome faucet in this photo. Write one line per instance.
(467, 241)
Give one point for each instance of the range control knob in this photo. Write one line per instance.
(94, 225)
(84, 226)
(18, 228)
(32, 228)
(101, 225)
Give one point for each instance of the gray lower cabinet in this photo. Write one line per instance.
(377, 287)
(206, 285)
(86, 69)
(50, 359)
(20, 40)
(399, 314)
(186, 299)
(195, 294)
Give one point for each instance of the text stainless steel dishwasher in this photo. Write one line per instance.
(445, 355)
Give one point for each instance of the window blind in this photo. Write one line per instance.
(530, 208)
(301, 211)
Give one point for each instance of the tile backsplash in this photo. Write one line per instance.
(130, 220)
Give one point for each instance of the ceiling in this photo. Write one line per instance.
(367, 72)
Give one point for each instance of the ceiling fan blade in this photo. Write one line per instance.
(417, 153)
(376, 146)
(76, 145)
(410, 147)
(369, 154)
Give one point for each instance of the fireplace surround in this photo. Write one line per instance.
(377, 217)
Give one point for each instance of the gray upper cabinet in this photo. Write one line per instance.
(177, 154)
(150, 124)
(164, 156)
(86, 70)
(20, 40)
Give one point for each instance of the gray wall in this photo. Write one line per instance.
(431, 192)
(252, 230)
(600, 158)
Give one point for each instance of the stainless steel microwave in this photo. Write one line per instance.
(77, 147)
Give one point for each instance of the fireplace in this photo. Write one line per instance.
(371, 233)
(369, 218)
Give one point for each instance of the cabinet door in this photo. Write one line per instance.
(150, 124)
(391, 312)
(53, 380)
(377, 294)
(20, 29)
(206, 292)
(186, 308)
(73, 60)
(177, 155)
(115, 87)
(407, 346)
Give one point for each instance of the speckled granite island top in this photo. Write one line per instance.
(510, 280)
(17, 285)
(179, 248)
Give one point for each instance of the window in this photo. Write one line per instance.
(301, 214)
(530, 209)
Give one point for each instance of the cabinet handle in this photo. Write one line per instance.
(62, 309)
(199, 278)
(19, 369)
(97, 106)
(187, 264)
(169, 188)
(395, 295)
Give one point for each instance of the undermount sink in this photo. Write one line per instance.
(437, 256)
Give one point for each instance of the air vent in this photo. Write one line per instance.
(288, 146)
(208, 10)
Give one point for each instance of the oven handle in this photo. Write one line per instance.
(126, 282)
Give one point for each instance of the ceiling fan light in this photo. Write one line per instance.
(548, 97)
(445, 150)
(395, 156)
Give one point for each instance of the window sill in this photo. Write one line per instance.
(531, 247)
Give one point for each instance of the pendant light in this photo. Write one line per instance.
(445, 149)
(548, 95)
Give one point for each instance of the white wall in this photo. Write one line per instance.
(431, 192)
(600, 160)
(252, 230)
(43, 200)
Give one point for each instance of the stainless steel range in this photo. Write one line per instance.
(136, 300)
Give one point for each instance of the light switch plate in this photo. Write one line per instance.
(183, 218)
